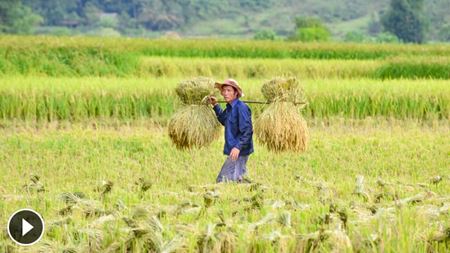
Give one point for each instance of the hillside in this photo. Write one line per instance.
(229, 18)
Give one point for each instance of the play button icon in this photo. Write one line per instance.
(25, 227)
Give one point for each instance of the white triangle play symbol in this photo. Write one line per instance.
(26, 227)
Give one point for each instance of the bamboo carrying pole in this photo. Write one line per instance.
(254, 102)
(260, 102)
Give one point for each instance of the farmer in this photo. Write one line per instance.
(238, 131)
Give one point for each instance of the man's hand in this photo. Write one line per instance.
(212, 100)
(234, 154)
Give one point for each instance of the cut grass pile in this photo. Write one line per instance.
(195, 124)
(280, 127)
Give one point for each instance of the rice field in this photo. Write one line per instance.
(211, 48)
(84, 140)
(78, 99)
(59, 56)
(419, 67)
(291, 196)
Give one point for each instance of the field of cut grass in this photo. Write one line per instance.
(291, 196)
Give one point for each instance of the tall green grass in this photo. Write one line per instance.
(414, 67)
(255, 68)
(49, 56)
(50, 99)
(396, 68)
(223, 48)
(68, 61)
(107, 63)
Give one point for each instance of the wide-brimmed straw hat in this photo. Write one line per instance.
(230, 82)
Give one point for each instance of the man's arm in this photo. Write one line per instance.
(221, 115)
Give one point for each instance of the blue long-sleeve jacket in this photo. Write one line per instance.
(237, 119)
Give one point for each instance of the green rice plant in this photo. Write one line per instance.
(220, 48)
(89, 103)
(255, 68)
(414, 67)
(43, 99)
(419, 99)
(83, 56)
(70, 61)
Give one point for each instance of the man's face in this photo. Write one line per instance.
(228, 93)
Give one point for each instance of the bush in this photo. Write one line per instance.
(265, 35)
(387, 38)
(354, 36)
(313, 34)
(310, 29)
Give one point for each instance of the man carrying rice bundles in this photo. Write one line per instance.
(238, 131)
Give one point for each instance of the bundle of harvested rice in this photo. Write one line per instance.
(193, 126)
(280, 128)
(283, 89)
(194, 90)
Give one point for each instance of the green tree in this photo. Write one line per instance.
(307, 22)
(405, 20)
(17, 18)
(56, 12)
(374, 27)
(313, 34)
(310, 29)
(92, 15)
